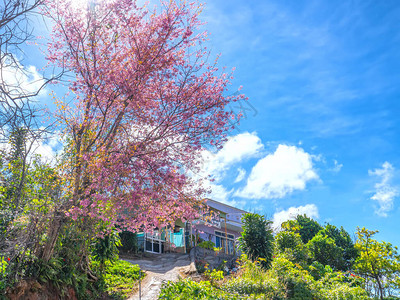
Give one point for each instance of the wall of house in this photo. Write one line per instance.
(233, 214)
(205, 232)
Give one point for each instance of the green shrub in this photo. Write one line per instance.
(129, 243)
(214, 275)
(318, 270)
(245, 286)
(290, 243)
(257, 240)
(187, 289)
(3, 274)
(284, 280)
(121, 278)
(201, 266)
(123, 268)
(106, 248)
(207, 245)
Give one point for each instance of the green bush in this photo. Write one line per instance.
(106, 248)
(3, 274)
(201, 266)
(61, 274)
(123, 268)
(207, 245)
(187, 289)
(214, 275)
(284, 280)
(121, 278)
(257, 240)
(246, 286)
(129, 243)
(290, 243)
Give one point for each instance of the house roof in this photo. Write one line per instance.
(211, 201)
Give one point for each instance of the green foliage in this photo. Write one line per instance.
(106, 248)
(61, 275)
(267, 289)
(187, 289)
(201, 266)
(294, 281)
(291, 281)
(253, 281)
(214, 275)
(324, 250)
(284, 280)
(318, 270)
(207, 245)
(378, 262)
(29, 191)
(129, 243)
(121, 278)
(3, 274)
(303, 225)
(290, 243)
(257, 240)
(328, 245)
(343, 241)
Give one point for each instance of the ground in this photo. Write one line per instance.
(159, 268)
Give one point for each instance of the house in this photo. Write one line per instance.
(220, 224)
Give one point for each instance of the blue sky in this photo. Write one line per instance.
(321, 130)
(322, 79)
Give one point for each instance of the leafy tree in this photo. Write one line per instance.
(308, 228)
(288, 280)
(24, 224)
(290, 243)
(106, 248)
(145, 103)
(303, 225)
(257, 239)
(327, 244)
(324, 250)
(378, 262)
(342, 240)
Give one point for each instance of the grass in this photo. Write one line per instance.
(121, 278)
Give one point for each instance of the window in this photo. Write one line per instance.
(222, 241)
(154, 243)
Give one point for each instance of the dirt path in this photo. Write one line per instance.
(163, 267)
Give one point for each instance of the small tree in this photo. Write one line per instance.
(378, 261)
(342, 239)
(257, 240)
(324, 250)
(290, 243)
(303, 225)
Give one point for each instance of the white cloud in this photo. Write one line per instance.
(219, 193)
(337, 167)
(20, 80)
(385, 193)
(237, 148)
(279, 174)
(311, 210)
(46, 148)
(241, 175)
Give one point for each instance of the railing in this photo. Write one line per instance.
(155, 236)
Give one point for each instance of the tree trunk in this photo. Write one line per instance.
(53, 233)
(380, 287)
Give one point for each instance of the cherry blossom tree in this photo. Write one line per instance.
(144, 101)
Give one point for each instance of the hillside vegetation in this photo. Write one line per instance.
(305, 261)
